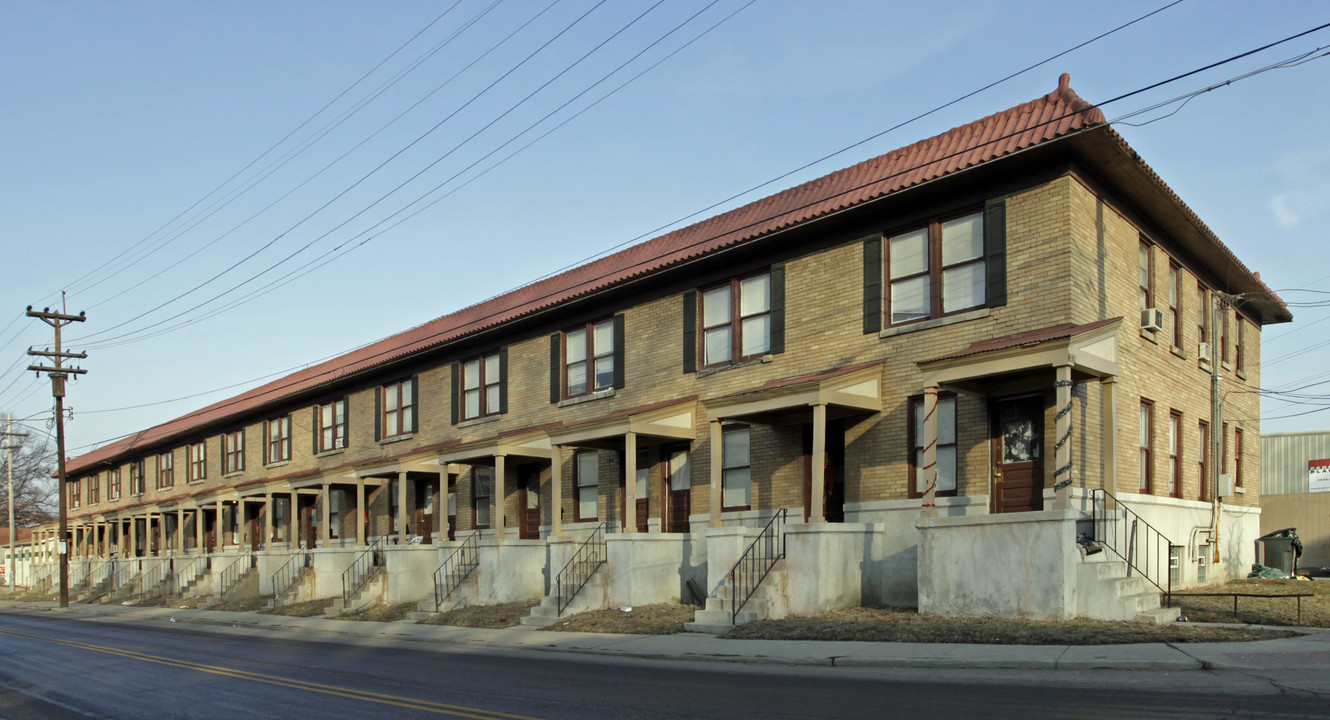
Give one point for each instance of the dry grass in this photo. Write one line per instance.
(887, 625)
(309, 608)
(250, 604)
(661, 619)
(379, 613)
(483, 616)
(1261, 611)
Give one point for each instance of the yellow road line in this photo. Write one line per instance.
(382, 699)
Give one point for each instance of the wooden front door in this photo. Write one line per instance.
(452, 507)
(253, 527)
(306, 527)
(1018, 438)
(425, 492)
(833, 472)
(528, 499)
(678, 484)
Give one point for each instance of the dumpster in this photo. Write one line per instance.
(1280, 549)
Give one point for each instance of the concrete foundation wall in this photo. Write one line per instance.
(510, 571)
(329, 564)
(824, 565)
(646, 568)
(410, 572)
(1187, 523)
(890, 562)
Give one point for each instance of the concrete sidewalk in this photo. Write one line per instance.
(1310, 651)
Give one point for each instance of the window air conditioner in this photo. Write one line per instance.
(1205, 352)
(1152, 319)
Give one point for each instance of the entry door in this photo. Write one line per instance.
(305, 523)
(1018, 438)
(641, 488)
(678, 483)
(425, 510)
(529, 501)
(833, 472)
(452, 507)
(209, 531)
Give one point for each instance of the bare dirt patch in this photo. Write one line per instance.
(243, 604)
(379, 613)
(492, 617)
(309, 608)
(1260, 611)
(660, 619)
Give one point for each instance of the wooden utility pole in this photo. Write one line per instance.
(57, 375)
(9, 433)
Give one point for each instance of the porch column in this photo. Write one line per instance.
(293, 522)
(630, 482)
(401, 508)
(440, 529)
(818, 465)
(133, 537)
(198, 531)
(1062, 475)
(927, 475)
(180, 529)
(556, 491)
(325, 527)
(360, 512)
(267, 521)
(717, 470)
(161, 534)
(1109, 387)
(500, 469)
(219, 530)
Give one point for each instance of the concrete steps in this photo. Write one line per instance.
(768, 601)
(1105, 591)
(372, 591)
(592, 596)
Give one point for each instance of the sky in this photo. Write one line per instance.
(233, 191)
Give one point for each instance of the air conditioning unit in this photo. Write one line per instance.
(1152, 319)
(1206, 353)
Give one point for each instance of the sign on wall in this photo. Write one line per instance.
(1318, 474)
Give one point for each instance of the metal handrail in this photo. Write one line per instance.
(236, 571)
(756, 562)
(356, 577)
(286, 577)
(44, 577)
(153, 578)
(584, 563)
(456, 568)
(126, 571)
(1150, 556)
(186, 571)
(78, 573)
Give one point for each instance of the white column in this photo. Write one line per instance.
(556, 491)
(133, 538)
(500, 470)
(717, 471)
(360, 512)
(325, 527)
(927, 475)
(1110, 440)
(401, 508)
(818, 466)
(219, 529)
(267, 521)
(630, 482)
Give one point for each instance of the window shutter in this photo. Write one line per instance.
(415, 404)
(995, 258)
(503, 380)
(555, 359)
(264, 441)
(378, 414)
(618, 352)
(872, 284)
(314, 430)
(346, 420)
(453, 395)
(777, 309)
(690, 331)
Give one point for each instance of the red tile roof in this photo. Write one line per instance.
(1058, 114)
(1029, 337)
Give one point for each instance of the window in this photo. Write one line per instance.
(1238, 344)
(165, 470)
(1203, 454)
(137, 477)
(481, 386)
(75, 494)
(937, 270)
(482, 482)
(197, 455)
(1175, 304)
(277, 440)
(1237, 457)
(94, 489)
(113, 484)
(586, 478)
(334, 514)
(233, 452)
(946, 445)
(736, 476)
(1145, 273)
(1174, 454)
(399, 408)
(1223, 336)
(1202, 317)
(330, 426)
(588, 358)
(1147, 432)
(736, 320)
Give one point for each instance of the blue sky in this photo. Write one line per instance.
(121, 118)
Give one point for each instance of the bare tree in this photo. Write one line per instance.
(35, 495)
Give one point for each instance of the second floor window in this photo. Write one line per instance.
(588, 358)
(937, 270)
(198, 461)
(137, 477)
(233, 451)
(75, 494)
(946, 445)
(398, 405)
(481, 387)
(1238, 342)
(736, 320)
(94, 490)
(165, 470)
(1175, 304)
(330, 427)
(277, 440)
(1145, 273)
(113, 484)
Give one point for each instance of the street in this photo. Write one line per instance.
(53, 667)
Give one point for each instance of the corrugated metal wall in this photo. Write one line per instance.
(1284, 458)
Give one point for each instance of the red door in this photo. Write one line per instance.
(528, 498)
(425, 492)
(678, 484)
(1018, 437)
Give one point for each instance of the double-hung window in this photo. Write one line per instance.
(1147, 439)
(1237, 457)
(937, 269)
(277, 440)
(1145, 275)
(165, 470)
(946, 445)
(1203, 459)
(197, 457)
(113, 484)
(586, 478)
(482, 392)
(94, 489)
(330, 426)
(588, 358)
(482, 488)
(1203, 320)
(1175, 304)
(736, 320)
(75, 494)
(1223, 336)
(1238, 343)
(138, 475)
(1175, 454)
(233, 451)
(736, 475)
(398, 416)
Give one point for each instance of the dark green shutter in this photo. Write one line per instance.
(415, 404)
(690, 331)
(555, 370)
(618, 352)
(378, 414)
(314, 430)
(346, 421)
(995, 255)
(263, 440)
(453, 400)
(873, 284)
(503, 380)
(777, 309)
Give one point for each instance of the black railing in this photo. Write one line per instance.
(154, 577)
(1145, 550)
(126, 571)
(185, 571)
(363, 569)
(453, 571)
(285, 579)
(756, 562)
(43, 579)
(235, 572)
(584, 563)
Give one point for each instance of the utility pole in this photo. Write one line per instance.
(57, 375)
(9, 433)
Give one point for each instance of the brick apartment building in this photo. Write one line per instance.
(989, 341)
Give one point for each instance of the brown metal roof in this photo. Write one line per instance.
(1021, 339)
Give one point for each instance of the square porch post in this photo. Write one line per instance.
(401, 508)
(180, 529)
(500, 469)
(360, 512)
(292, 524)
(818, 466)
(219, 530)
(440, 529)
(717, 471)
(1110, 422)
(928, 473)
(161, 534)
(268, 525)
(133, 537)
(198, 530)
(325, 527)
(1062, 475)
(556, 490)
(630, 482)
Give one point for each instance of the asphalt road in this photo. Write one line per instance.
(56, 668)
